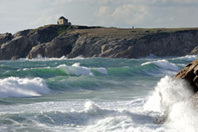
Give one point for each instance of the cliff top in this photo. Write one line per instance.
(108, 32)
(73, 40)
(132, 33)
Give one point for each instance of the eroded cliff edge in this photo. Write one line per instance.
(72, 41)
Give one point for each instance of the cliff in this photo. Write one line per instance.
(73, 41)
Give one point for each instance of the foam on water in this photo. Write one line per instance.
(173, 98)
(187, 57)
(83, 116)
(160, 68)
(22, 87)
(101, 70)
(115, 108)
(76, 69)
(163, 64)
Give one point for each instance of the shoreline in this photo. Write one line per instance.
(73, 41)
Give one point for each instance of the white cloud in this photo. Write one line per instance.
(119, 13)
(91, 1)
(44, 19)
(103, 11)
(123, 15)
(130, 14)
(175, 2)
(180, 1)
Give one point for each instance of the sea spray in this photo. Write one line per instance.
(172, 98)
(22, 87)
(76, 69)
(116, 95)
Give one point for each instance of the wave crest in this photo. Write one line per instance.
(22, 87)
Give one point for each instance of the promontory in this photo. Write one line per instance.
(72, 41)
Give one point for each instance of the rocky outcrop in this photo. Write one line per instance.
(5, 37)
(73, 41)
(190, 74)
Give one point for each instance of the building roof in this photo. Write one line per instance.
(62, 17)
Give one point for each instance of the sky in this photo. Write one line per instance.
(17, 15)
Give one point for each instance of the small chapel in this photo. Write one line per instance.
(63, 21)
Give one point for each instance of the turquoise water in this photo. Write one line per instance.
(79, 94)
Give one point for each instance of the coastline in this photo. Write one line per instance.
(73, 41)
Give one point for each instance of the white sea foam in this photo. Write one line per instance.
(87, 116)
(22, 87)
(120, 119)
(163, 64)
(76, 69)
(173, 98)
(101, 70)
(187, 57)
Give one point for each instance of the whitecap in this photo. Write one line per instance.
(76, 69)
(173, 97)
(163, 64)
(187, 58)
(101, 70)
(22, 87)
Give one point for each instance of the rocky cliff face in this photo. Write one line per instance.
(73, 41)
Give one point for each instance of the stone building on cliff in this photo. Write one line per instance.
(63, 21)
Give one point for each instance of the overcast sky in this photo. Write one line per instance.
(17, 15)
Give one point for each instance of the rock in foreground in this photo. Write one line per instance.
(190, 74)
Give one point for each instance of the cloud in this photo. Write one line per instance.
(130, 14)
(45, 18)
(180, 1)
(119, 13)
(103, 11)
(126, 14)
(175, 3)
(87, 1)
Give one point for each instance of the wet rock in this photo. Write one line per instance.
(190, 74)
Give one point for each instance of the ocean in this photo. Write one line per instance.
(94, 95)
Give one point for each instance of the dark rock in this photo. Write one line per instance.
(62, 40)
(190, 74)
(194, 51)
(5, 38)
(38, 50)
(22, 33)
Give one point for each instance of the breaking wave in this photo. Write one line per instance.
(173, 99)
(22, 87)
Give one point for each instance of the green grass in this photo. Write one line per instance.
(108, 32)
(124, 33)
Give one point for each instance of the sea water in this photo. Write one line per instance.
(95, 95)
